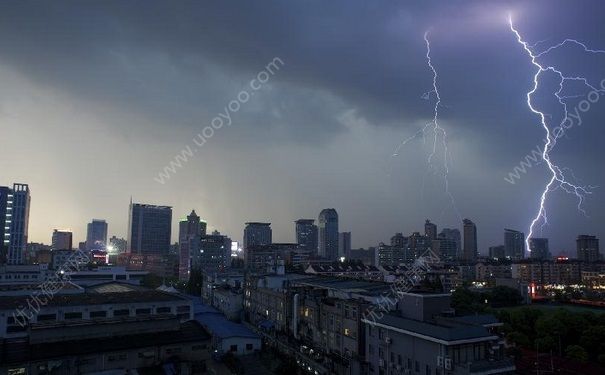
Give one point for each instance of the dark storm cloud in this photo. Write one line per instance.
(179, 63)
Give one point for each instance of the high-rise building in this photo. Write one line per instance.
(469, 252)
(446, 248)
(389, 255)
(344, 244)
(96, 235)
(454, 235)
(149, 229)
(256, 234)
(117, 245)
(497, 252)
(417, 246)
(430, 230)
(214, 253)
(514, 244)
(4, 226)
(587, 248)
(190, 233)
(14, 204)
(62, 240)
(539, 248)
(306, 234)
(328, 234)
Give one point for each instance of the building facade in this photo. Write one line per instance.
(328, 234)
(469, 251)
(16, 219)
(62, 240)
(587, 248)
(514, 244)
(96, 235)
(307, 234)
(149, 229)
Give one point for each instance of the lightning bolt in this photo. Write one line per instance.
(558, 179)
(439, 132)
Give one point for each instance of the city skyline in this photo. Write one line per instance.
(320, 133)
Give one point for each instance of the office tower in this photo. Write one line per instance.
(214, 253)
(430, 230)
(62, 240)
(344, 244)
(117, 245)
(514, 244)
(328, 234)
(497, 252)
(149, 229)
(14, 207)
(4, 229)
(255, 234)
(469, 251)
(587, 248)
(454, 235)
(190, 232)
(539, 248)
(96, 235)
(306, 234)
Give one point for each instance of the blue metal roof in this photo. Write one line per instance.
(218, 325)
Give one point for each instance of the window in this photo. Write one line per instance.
(233, 348)
(196, 348)
(417, 366)
(428, 370)
(249, 346)
(182, 309)
(143, 311)
(73, 315)
(98, 314)
(121, 312)
(117, 357)
(47, 317)
(163, 310)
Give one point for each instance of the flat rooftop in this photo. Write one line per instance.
(94, 298)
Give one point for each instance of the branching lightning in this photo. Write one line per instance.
(558, 179)
(439, 132)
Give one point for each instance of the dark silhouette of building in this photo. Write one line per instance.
(307, 234)
(587, 248)
(328, 234)
(149, 229)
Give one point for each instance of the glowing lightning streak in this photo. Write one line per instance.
(557, 178)
(438, 131)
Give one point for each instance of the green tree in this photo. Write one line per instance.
(576, 352)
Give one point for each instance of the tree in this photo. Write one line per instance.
(576, 352)
(503, 296)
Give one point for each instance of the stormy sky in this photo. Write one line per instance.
(97, 97)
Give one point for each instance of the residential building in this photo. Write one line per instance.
(256, 234)
(498, 252)
(430, 230)
(214, 253)
(538, 248)
(453, 235)
(514, 244)
(62, 240)
(587, 248)
(417, 339)
(307, 234)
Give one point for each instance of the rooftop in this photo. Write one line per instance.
(446, 334)
(102, 296)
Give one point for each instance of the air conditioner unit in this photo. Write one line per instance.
(439, 361)
(388, 340)
(448, 363)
